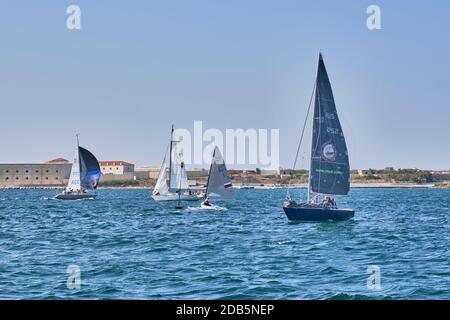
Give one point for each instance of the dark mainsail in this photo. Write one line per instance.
(89, 169)
(330, 169)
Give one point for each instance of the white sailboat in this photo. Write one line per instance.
(219, 186)
(84, 176)
(172, 183)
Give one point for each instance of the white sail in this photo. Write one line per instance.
(178, 177)
(219, 183)
(161, 187)
(75, 176)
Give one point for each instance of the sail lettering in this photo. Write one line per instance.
(333, 130)
(329, 115)
(329, 171)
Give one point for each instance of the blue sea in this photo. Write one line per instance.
(125, 246)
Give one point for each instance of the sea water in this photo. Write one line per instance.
(123, 245)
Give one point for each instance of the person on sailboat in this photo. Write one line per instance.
(206, 202)
(290, 202)
(315, 199)
(333, 202)
(326, 202)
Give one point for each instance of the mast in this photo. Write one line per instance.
(170, 155)
(79, 160)
(209, 173)
(312, 131)
(179, 206)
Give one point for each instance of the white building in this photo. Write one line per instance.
(119, 171)
(116, 167)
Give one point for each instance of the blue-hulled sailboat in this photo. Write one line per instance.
(329, 173)
(84, 176)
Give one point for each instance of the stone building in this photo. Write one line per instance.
(116, 167)
(118, 171)
(53, 173)
(149, 171)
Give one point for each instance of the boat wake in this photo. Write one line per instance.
(207, 208)
(72, 200)
(213, 208)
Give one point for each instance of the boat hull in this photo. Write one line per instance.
(317, 214)
(68, 196)
(174, 197)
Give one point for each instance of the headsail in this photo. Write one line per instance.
(219, 183)
(74, 179)
(330, 170)
(178, 177)
(90, 170)
(161, 187)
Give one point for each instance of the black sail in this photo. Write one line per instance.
(89, 169)
(330, 169)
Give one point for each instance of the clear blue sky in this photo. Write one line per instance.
(137, 66)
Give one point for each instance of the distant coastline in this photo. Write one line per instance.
(358, 185)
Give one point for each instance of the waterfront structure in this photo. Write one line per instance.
(117, 171)
(116, 167)
(53, 173)
(150, 171)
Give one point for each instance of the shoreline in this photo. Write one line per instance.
(267, 187)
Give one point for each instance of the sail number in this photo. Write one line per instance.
(333, 130)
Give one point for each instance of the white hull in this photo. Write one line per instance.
(174, 197)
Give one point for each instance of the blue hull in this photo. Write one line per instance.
(318, 214)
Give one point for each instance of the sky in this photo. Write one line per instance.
(136, 67)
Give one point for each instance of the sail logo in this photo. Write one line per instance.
(329, 152)
(240, 146)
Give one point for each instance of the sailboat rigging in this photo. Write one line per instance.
(84, 176)
(172, 183)
(329, 172)
(219, 186)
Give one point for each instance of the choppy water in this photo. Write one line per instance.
(128, 246)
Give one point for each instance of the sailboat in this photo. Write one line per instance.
(84, 176)
(172, 179)
(329, 172)
(219, 186)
